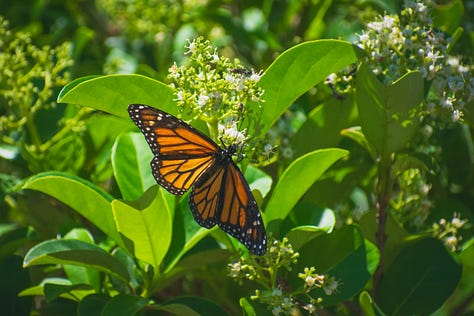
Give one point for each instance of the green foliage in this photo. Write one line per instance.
(412, 272)
(365, 191)
(297, 70)
(388, 114)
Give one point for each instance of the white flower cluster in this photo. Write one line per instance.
(450, 231)
(398, 44)
(215, 89)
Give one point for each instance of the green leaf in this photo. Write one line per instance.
(186, 234)
(189, 304)
(309, 214)
(77, 274)
(447, 17)
(405, 162)
(301, 235)
(297, 70)
(398, 235)
(258, 180)
(82, 196)
(136, 279)
(365, 302)
(373, 256)
(341, 254)
(297, 178)
(389, 115)
(177, 309)
(145, 226)
(38, 290)
(76, 291)
(322, 128)
(75, 252)
(187, 264)
(92, 305)
(113, 93)
(124, 305)
(82, 36)
(247, 308)
(12, 237)
(423, 266)
(131, 158)
(52, 288)
(355, 133)
(73, 84)
(101, 132)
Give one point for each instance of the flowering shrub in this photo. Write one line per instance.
(356, 181)
(397, 44)
(215, 90)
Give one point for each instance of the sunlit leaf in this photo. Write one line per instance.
(75, 252)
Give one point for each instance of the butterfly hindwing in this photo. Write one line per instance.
(223, 196)
(182, 153)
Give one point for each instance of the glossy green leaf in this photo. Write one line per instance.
(38, 290)
(82, 275)
(389, 114)
(52, 288)
(186, 234)
(92, 305)
(297, 178)
(301, 235)
(145, 226)
(101, 132)
(308, 214)
(322, 128)
(124, 305)
(75, 291)
(258, 180)
(423, 266)
(113, 93)
(299, 69)
(75, 252)
(373, 256)
(104, 129)
(341, 254)
(82, 196)
(131, 158)
(355, 133)
(128, 261)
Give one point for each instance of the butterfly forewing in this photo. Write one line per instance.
(182, 153)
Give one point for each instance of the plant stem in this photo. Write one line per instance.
(384, 190)
(213, 130)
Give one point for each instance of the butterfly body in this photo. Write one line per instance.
(184, 158)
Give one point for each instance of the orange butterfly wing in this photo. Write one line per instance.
(222, 196)
(182, 153)
(185, 157)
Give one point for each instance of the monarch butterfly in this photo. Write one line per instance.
(185, 157)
